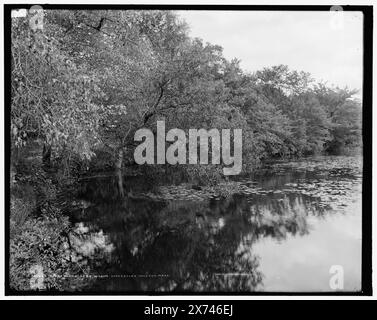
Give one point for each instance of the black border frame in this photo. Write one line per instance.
(366, 278)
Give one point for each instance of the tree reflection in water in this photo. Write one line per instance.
(191, 245)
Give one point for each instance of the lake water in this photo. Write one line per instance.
(281, 231)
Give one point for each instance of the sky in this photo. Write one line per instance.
(329, 45)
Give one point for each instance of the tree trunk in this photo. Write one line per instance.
(118, 170)
(46, 155)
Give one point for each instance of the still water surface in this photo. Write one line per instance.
(282, 230)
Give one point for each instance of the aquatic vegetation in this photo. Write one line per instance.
(189, 237)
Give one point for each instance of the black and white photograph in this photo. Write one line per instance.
(171, 150)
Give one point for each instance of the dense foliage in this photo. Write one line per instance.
(89, 79)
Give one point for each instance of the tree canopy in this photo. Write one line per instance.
(88, 80)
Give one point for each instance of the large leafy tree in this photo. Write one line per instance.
(345, 114)
(52, 97)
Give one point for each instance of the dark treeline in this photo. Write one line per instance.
(87, 80)
(84, 81)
